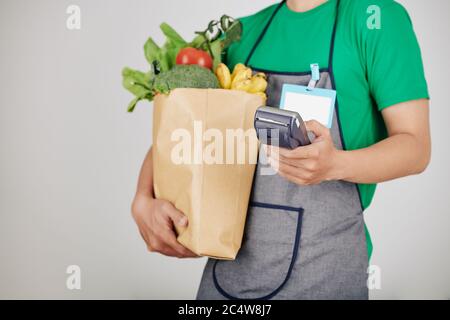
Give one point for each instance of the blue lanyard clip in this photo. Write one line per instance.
(315, 76)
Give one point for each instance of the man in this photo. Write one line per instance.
(379, 132)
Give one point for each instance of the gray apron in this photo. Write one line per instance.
(300, 242)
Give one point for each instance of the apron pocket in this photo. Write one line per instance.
(265, 261)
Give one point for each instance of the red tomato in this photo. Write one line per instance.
(194, 56)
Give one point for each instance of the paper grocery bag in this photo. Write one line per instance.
(199, 169)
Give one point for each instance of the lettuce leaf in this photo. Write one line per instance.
(167, 54)
(139, 84)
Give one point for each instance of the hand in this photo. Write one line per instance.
(310, 164)
(155, 220)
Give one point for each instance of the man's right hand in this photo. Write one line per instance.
(156, 220)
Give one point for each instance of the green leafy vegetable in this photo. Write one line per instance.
(173, 38)
(165, 75)
(167, 54)
(217, 37)
(138, 83)
(233, 34)
(146, 85)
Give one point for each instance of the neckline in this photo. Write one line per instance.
(286, 11)
(280, 6)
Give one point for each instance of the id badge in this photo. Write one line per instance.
(312, 104)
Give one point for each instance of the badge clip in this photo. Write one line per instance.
(315, 76)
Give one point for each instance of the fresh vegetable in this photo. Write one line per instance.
(165, 55)
(139, 84)
(194, 56)
(146, 86)
(176, 52)
(217, 37)
(184, 76)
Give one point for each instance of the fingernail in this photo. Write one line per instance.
(183, 222)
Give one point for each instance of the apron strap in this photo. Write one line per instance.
(333, 37)
(269, 22)
(293, 257)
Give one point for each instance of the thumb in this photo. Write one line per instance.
(176, 216)
(317, 128)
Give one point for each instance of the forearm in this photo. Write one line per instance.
(397, 156)
(145, 182)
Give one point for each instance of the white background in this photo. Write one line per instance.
(70, 155)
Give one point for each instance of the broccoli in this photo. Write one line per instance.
(145, 85)
(184, 76)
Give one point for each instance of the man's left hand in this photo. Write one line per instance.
(310, 164)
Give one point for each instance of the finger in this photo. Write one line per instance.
(317, 128)
(156, 245)
(177, 217)
(168, 251)
(305, 179)
(292, 179)
(175, 245)
(144, 236)
(307, 165)
(276, 152)
(306, 152)
(299, 163)
(171, 241)
(288, 170)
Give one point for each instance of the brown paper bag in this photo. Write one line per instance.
(213, 194)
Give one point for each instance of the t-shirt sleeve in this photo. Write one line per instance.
(393, 59)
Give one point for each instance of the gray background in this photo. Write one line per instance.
(70, 156)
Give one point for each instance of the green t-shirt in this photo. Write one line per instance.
(373, 68)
